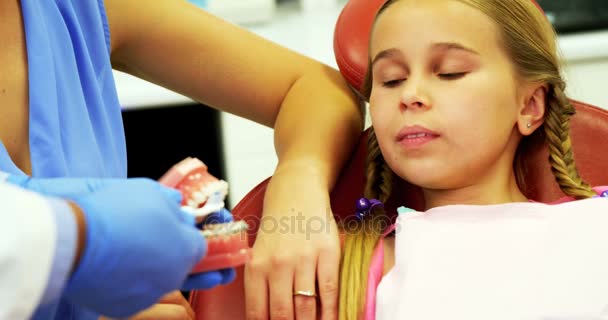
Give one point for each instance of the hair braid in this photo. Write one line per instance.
(557, 135)
(361, 238)
(379, 175)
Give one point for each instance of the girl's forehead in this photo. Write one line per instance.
(417, 23)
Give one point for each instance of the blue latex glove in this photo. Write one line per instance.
(74, 188)
(139, 246)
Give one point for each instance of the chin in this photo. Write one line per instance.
(429, 183)
(426, 179)
(436, 179)
(421, 172)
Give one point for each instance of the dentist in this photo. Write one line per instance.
(61, 134)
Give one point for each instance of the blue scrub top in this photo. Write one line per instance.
(75, 120)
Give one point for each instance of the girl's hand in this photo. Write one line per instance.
(172, 306)
(297, 249)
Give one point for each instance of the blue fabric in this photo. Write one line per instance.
(76, 126)
(75, 120)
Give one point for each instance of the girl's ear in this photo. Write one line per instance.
(532, 112)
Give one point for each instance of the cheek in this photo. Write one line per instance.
(380, 110)
(483, 103)
(382, 119)
(383, 133)
(496, 89)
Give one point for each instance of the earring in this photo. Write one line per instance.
(529, 125)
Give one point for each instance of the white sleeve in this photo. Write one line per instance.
(27, 244)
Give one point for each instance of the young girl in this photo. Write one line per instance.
(457, 89)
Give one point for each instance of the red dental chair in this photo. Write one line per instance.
(589, 131)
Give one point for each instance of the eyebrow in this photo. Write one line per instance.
(443, 46)
(384, 54)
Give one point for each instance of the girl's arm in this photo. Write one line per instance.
(316, 117)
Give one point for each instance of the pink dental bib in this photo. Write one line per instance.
(511, 261)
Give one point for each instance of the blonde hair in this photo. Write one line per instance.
(529, 40)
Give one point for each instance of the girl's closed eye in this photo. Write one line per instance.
(451, 75)
(389, 74)
(392, 83)
(455, 65)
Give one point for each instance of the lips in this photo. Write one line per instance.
(415, 136)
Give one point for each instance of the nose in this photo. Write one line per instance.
(414, 96)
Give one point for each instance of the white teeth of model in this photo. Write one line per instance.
(216, 191)
(220, 186)
(191, 203)
(223, 187)
(199, 197)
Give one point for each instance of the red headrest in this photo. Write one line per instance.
(351, 38)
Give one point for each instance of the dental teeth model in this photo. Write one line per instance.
(203, 194)
(227, 246)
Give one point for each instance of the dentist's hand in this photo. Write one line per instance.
(76, 189)
(139, 246)
(207, 280)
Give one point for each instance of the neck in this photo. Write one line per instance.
(494, 189)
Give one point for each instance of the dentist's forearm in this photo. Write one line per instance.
(317, 127)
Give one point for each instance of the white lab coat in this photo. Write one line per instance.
(27, 245)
